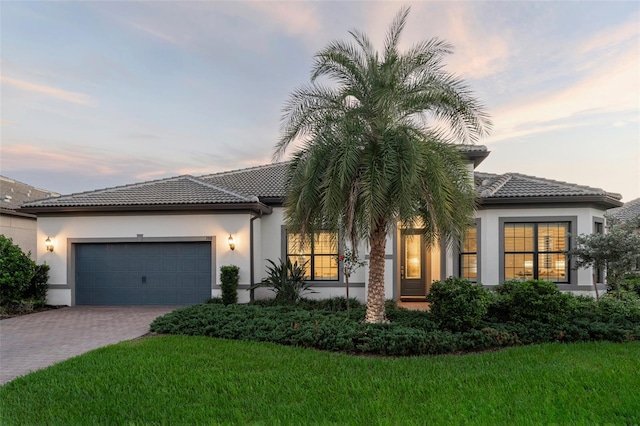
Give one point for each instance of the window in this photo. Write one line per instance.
(598, 228)
(536, 251)
(469, 255)
(320, 254)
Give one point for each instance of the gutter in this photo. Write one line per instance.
(257, 207)
(600, 200)
(251, 257)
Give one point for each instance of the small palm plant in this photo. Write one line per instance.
(286, 280)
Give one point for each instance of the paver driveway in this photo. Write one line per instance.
(35, 341)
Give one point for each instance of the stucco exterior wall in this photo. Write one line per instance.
(22, 230)
(64, 228)
(490, 239)
(273, 247)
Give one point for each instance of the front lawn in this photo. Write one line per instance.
(201, 380)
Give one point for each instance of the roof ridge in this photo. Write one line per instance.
(495, 187)
(253, 198)
(575, 185)
(119, 187)
(12, 180)
(236, 171)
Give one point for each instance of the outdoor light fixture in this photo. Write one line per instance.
(232, 245)
(48, 244)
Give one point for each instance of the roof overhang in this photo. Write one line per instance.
(601, 201)
(10, 212)
(258, 208)
(476, 156)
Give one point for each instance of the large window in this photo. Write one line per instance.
(320, 254)
(469, 255)
(536, 251)
(598, 228)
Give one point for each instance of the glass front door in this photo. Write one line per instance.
(413, 271)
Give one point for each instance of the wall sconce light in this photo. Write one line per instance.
(48, 244)
(232, 244)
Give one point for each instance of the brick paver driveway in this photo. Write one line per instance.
(35, 341)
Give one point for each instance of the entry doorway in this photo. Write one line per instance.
(414, 261)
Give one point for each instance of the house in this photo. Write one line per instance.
(163, 241)
(19, 226)
(628, 211)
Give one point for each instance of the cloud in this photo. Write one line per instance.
(478, 51)
(64, 95)
(613, 87)
(295, 18)
(209, 27)
(612, 37)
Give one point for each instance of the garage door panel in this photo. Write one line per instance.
(143, 273)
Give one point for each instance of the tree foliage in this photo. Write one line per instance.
(367, 156)
(22, 281)
(617, 250)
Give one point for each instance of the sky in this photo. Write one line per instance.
(98, 94)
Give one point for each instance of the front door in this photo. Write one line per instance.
(413, 271)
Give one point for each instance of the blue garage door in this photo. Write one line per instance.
(143, 273)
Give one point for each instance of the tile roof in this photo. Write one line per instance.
(516, 185)
(267, 181)
(177, 190)
(628, 211)
(266, 185)
(14, 193)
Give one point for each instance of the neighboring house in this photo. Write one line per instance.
(628, 211)
(20, 227)
(163, 242)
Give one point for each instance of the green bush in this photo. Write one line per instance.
(526, 301)
(286, 280)
(36, 291)
(229, 277)
(322, 329)
(16, 272)
(458, 304)
(333, 304)
(624, 306)
(631, 282)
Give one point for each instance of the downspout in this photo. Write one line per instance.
(251, 256)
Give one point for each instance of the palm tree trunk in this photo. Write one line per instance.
(375, 291)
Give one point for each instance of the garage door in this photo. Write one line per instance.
(143, 273)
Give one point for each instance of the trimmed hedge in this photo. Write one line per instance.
(332, 331)
(229, 277)
(458, 304)
(517, 313)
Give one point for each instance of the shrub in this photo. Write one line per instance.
(533, 300)
(333, 304)
(229, 276)
(286, 280)
(36, 291)
(631, 282)
(626, 307)
(458, 304)
(16, 272)
(416, 319)
(332, 331)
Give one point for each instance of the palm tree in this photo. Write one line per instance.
(367, 159)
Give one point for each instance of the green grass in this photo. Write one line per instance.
(191, 380)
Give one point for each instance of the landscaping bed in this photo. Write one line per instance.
(463, 318)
